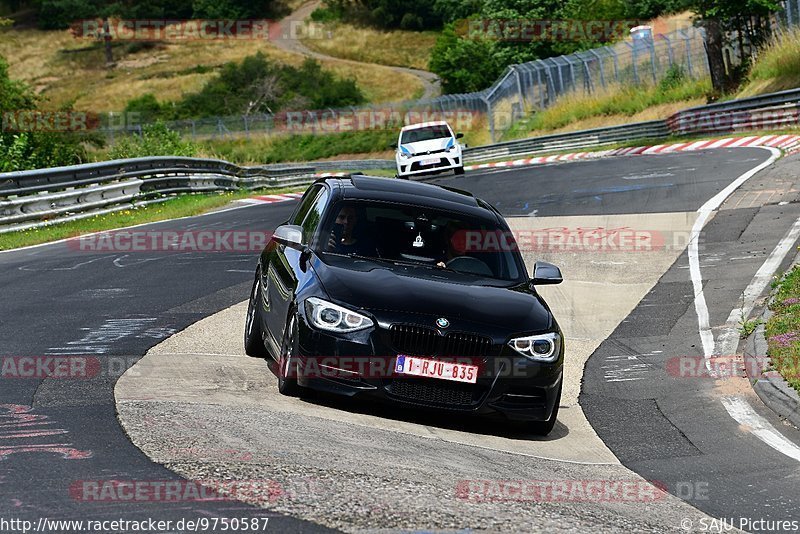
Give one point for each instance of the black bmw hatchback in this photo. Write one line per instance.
(411, 293)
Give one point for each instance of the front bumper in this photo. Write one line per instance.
(508, 385)
(417, 164)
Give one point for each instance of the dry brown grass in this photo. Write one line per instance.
(397, 48)
(48, 61)
(372, 79)
(661, 111)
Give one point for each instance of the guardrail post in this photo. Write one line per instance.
(599, 66)
(519, 88)
(653, 59)
(560, 76)
(490, 118)
(688, 47)
(539, 83)
(588, 76)
(634, 63)
(571, 72)
(616, 63)
(670, 56)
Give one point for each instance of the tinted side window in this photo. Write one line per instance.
(305, 204)
(313, 217)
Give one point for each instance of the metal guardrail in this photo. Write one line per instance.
(29, 199)
(566, 141)
(773, 110)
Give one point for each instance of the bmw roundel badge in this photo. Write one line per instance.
(441, 322)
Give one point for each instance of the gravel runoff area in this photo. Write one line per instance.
(357, 479)
(200, 407)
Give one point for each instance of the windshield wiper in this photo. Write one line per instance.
(399, 262)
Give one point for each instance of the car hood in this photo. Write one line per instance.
(420, 147)
(419, 290)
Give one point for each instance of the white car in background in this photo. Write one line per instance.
(427, 148)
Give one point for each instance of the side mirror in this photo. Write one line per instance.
(546, 273)
(459, 135)
(290, 235)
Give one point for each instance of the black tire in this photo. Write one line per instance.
(542, 428)
(253, 340)
(459, 170)
(287, 365)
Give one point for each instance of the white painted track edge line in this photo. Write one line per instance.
(745, 415)
(737, 407)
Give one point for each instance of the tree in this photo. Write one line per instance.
(464, 65)
(722, 19)
(20, 150)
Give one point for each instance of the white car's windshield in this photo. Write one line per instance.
(425, 134)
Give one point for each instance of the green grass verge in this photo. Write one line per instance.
(777, 67)
(783, 328)
(299, 147)
(180, 206)
(626, 101)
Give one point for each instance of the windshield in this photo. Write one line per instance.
(425, 134)
(397, 234)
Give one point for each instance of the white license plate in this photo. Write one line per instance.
(432, 161)
(457, 372)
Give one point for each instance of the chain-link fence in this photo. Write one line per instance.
(643, 60)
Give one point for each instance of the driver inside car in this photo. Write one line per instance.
(345, 237)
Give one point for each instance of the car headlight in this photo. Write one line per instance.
(451, 148)
(328, 316)
(539, 348)
(404, 155)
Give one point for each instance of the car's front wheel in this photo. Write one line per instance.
(459, 170)
(287, 364)
(253, 341)
(542, 428)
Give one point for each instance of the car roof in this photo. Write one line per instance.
(362, 187)
(423, 125)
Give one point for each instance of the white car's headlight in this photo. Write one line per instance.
(404, 155)
(539, 348)
(332, 317)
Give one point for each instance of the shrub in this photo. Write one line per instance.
(155, 140)
(673, 78)
(146, 106)
(257, 85)
(33, 150)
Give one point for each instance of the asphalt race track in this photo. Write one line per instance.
(56, 434)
